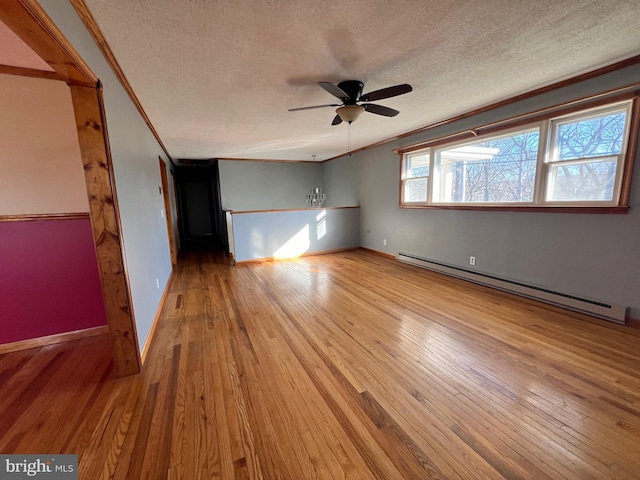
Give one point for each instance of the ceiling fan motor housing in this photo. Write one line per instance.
(353, 88)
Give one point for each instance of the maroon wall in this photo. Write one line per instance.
(49, 281)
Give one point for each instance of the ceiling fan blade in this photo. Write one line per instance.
(336, 120)
(380, 110)
(334, 90)
(314, 106)
(386, 93)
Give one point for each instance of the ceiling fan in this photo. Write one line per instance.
(350, 92)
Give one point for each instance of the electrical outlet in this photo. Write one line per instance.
(472, 260)
(384, 242)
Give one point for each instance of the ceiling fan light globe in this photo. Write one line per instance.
(349, 113)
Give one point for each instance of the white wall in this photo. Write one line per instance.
(40, 164)
(135, 153)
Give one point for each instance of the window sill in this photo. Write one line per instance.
(517, 208)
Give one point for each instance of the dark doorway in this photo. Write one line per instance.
(202, 222)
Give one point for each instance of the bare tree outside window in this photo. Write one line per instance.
(500, 170)
(586, 163)
(573, 160)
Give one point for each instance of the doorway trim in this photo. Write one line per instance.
(29, 21)
(167, 211)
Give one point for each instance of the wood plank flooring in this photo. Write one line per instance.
(348, 365)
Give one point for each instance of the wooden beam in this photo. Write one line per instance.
(103, 207)
(30, 72)
(28, 20)
(92, 27)
(167, 211)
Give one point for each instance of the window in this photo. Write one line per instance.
(586, 154)
(415, 178)
(573, 160)
(496, 170)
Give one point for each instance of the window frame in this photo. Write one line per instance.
(461, 143)
(551, 154)
(404, 180)
(546, 125)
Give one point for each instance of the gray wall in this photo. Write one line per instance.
(135, 153)
(289, 234)
(592, 255)
(341, 183)
(247, 185)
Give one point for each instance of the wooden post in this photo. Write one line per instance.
(167, 211)
(103, 207)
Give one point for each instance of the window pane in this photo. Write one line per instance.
(582, 181)
(417, 165)
(591, 137)
(501, 169)
(415, 190)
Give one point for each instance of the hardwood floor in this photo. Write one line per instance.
(348, 365)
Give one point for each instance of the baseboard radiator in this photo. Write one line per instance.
(606, 311)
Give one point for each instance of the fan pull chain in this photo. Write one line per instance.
(349, 134)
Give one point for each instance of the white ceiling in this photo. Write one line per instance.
(216, 77)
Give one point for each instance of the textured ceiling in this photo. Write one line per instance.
(216, 77)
